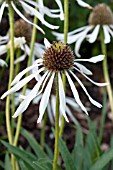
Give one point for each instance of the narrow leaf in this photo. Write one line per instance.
(69, 163)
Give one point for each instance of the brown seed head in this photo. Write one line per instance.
(58, 57)
(23, 29)
(101, 15)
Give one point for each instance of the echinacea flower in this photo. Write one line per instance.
(57, 59)
(29, 7)
(100, 18)
(70, 103)
(22, 32)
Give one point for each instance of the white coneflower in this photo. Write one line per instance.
(22, 32)
(57, 59)
(29, 8)
(101, 17)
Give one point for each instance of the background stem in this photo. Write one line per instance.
(8, 123)
(19, 122)
(106, 73)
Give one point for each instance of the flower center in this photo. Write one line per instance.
(23, 29)
(101, 15)
(58, 57)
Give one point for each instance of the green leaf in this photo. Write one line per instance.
(21, 154)
(103, 161)
(78, 150)
(92, 140)
(45, 164)
(102, 122)
(24, 166)
(33, 143)
(49, 152)
(69, 163)
(7, 162)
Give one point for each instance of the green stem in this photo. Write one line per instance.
(56, 149)
(18, 53)
(106, 73)
(19, 122)
(42, 137)
(66, 13)
(8, 123)
(66, 19)
(11, 20)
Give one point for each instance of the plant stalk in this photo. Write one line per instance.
(33, 38)
(8, 119)
(66, 20)
(106, 73)
(56, 148)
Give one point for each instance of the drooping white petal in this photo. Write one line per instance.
(45, 10)
(27, 50)
(97, 84)
(47, 43)
(106, 35)
(37, 99)
(109, 29)
(44, 83)
(60, 36)
(78, 44)
(94, 59)
(93, 36)
(71, 115)
(78, 30)
(2, 10)
(80, 40)
(53, 104)
(23, 106)
(75, 93)
(50, 114)
(62, 97)
(61, 9)
(19, 76)
(70, 101)
(83, 68)
(84, 4)
(3, 49)
(20, 84)
(34, 12)
(24, 18)
(3, 63)
(20, 59)
(45, 98)
(85, 90)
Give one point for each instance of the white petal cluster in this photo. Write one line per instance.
(78, 35)
(45, 82)
(29, 7)
(20, 42)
